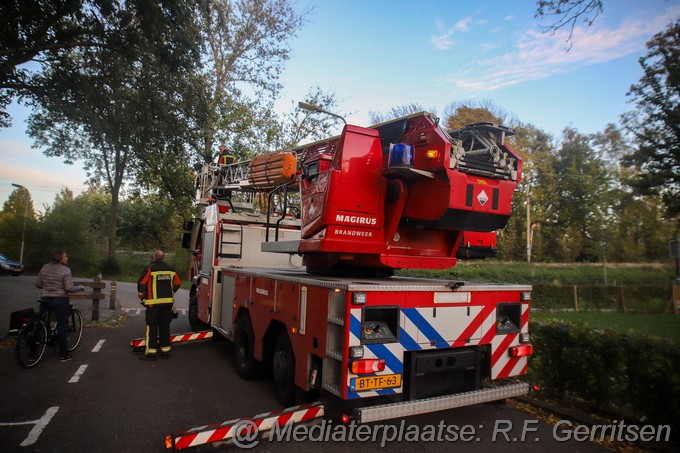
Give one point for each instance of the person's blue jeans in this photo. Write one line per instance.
(59, 305)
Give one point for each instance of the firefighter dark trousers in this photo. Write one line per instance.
(158, 318)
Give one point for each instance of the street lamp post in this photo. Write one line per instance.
(23, 231)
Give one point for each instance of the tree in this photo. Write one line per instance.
(395, 112)
(566, 13)
(301, 126)
(149, 222)
(245, 50)
(580, 198)
(460, 114)
(32, 30)
(533, 199)
(65, 226)
(120, 107)
(18, 205)
(655, 125)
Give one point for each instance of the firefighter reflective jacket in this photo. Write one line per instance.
(158, 283)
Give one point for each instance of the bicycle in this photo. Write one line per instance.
(36, 332)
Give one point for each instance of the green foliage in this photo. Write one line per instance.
(15, 211)
(119, 106)
(79, 225)
(63, 228)
(130, 265)
(621, 375)
(245, 47)
(574, 195)
(149, 223)
(31, 29)
(654, 123)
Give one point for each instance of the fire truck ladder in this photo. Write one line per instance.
(215, 182)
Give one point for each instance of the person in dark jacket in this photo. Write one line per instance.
(156, 288)
(225, 157)
(56, 282)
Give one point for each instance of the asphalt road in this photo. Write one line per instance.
(106, 400)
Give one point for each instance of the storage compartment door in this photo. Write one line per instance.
(227, 302)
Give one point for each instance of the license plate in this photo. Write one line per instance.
(375, 382)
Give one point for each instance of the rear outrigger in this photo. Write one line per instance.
(294, 259)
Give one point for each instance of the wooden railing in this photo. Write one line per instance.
(97, 285)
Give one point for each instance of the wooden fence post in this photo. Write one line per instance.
(96, 293)
(623, 301)
(112, 296)
(576, 298)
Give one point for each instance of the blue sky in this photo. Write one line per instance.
(376, 54)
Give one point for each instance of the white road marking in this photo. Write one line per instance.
(37, 429)
(76, 377)
(98, 346)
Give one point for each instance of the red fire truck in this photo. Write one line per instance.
(295, 253)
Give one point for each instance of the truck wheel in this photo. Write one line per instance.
(244, 346)
(194, 322)
(283, 370)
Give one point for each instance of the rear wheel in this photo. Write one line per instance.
(244, 349)
(194, 322)
(283, 370)
(74, 329)
(31, 343)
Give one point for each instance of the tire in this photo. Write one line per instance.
(31, 344)
(244, 347)
(74, 329)
(195, 323)
(283, 370)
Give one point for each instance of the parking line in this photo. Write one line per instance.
(98, 346)
(79, 373)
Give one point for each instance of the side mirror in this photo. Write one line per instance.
(186, 240)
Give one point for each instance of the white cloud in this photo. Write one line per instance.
(539, 55)
(444, 40)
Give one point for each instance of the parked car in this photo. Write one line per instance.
(8, 266)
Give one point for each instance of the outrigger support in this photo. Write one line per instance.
(138, 344)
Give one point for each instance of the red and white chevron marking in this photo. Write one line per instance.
(225, 431)
(177, 338)
(502, 365)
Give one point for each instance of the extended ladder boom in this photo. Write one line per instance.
(265, 172)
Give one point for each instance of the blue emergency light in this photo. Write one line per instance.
(401, 155)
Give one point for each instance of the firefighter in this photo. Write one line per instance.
(225, 157)
(156, 288)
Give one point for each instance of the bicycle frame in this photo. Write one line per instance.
(36, 332)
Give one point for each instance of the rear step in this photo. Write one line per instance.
(440, 403)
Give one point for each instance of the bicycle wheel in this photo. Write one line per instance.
(31, 343)
(74, 329)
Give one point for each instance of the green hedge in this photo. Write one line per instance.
(620, 375)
